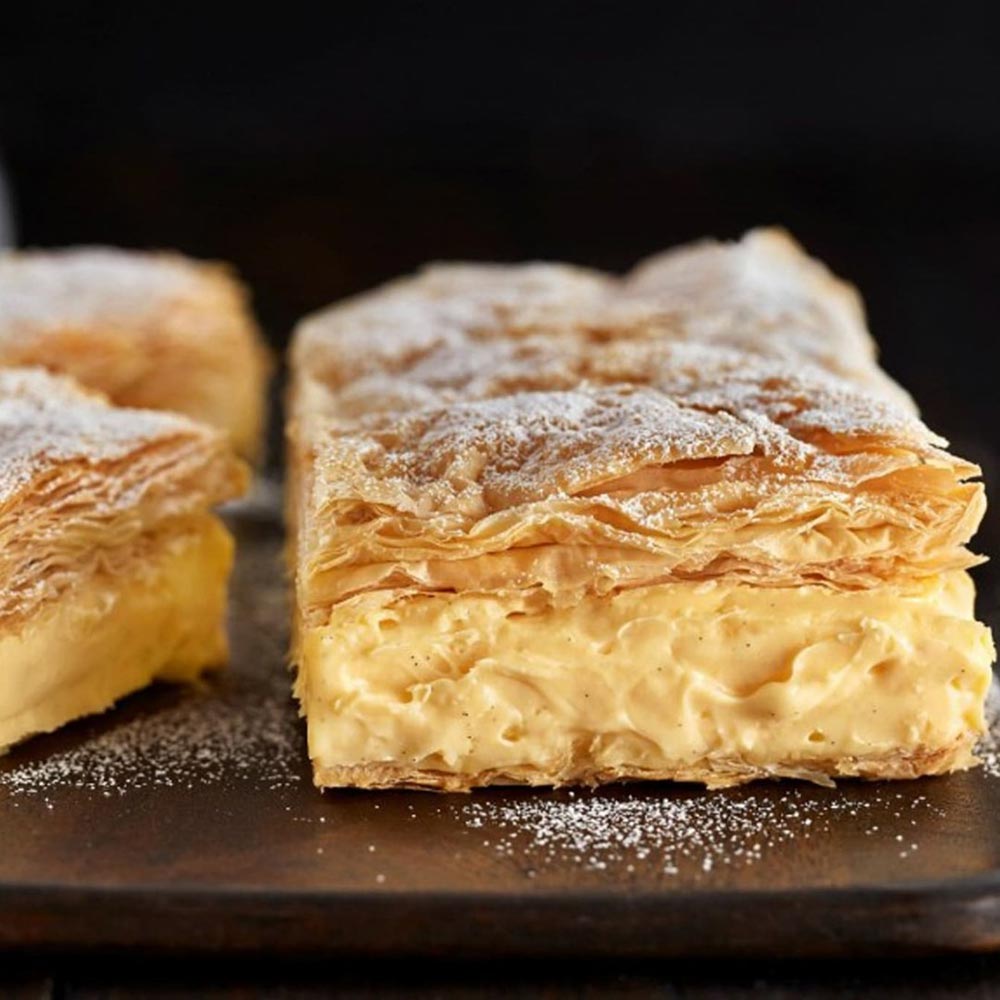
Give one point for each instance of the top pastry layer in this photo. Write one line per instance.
(761, 296)
(719, 412)
(82, 482)
(148, 329)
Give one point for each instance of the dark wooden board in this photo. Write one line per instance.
(238, 853)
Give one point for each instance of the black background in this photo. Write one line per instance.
(325, 148)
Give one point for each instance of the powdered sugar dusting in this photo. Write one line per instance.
(240, 725)
(469, 390)
(988, 749)
(210, 737)
(46, 419)
(530, 445)
(82, 285)
(759, 299)
(703, 831)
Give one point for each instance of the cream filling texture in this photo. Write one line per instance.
(115, 633)
(651, 679)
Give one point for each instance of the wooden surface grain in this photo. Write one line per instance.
(239, 855)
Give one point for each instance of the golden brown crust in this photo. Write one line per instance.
(82, 483)
(761, 297)
(450, 420)
(715, 772)
(149, 330)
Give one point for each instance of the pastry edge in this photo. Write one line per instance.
(714, 772)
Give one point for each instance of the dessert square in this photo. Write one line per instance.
(114, 569)
(551, 526)
(151, 330)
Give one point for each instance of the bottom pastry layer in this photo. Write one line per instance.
(117, 632)
(712, 682)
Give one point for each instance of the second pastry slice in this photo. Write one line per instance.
(113, 568)
(153, 330)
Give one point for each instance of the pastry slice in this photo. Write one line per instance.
(580, 549)
(114, 569)
(149, 330)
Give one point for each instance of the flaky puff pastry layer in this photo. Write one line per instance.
(149, 330)
(717, 415)
(104, 521)
(457, 430)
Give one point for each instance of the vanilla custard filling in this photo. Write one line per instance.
(653, 679)
(116, 632)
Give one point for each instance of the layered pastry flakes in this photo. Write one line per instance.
(554, 526)
(113, 570)
(148, 330)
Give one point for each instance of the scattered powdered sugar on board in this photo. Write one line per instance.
(209, 737)
(988, 749)
(241, 725)
(706, 831)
